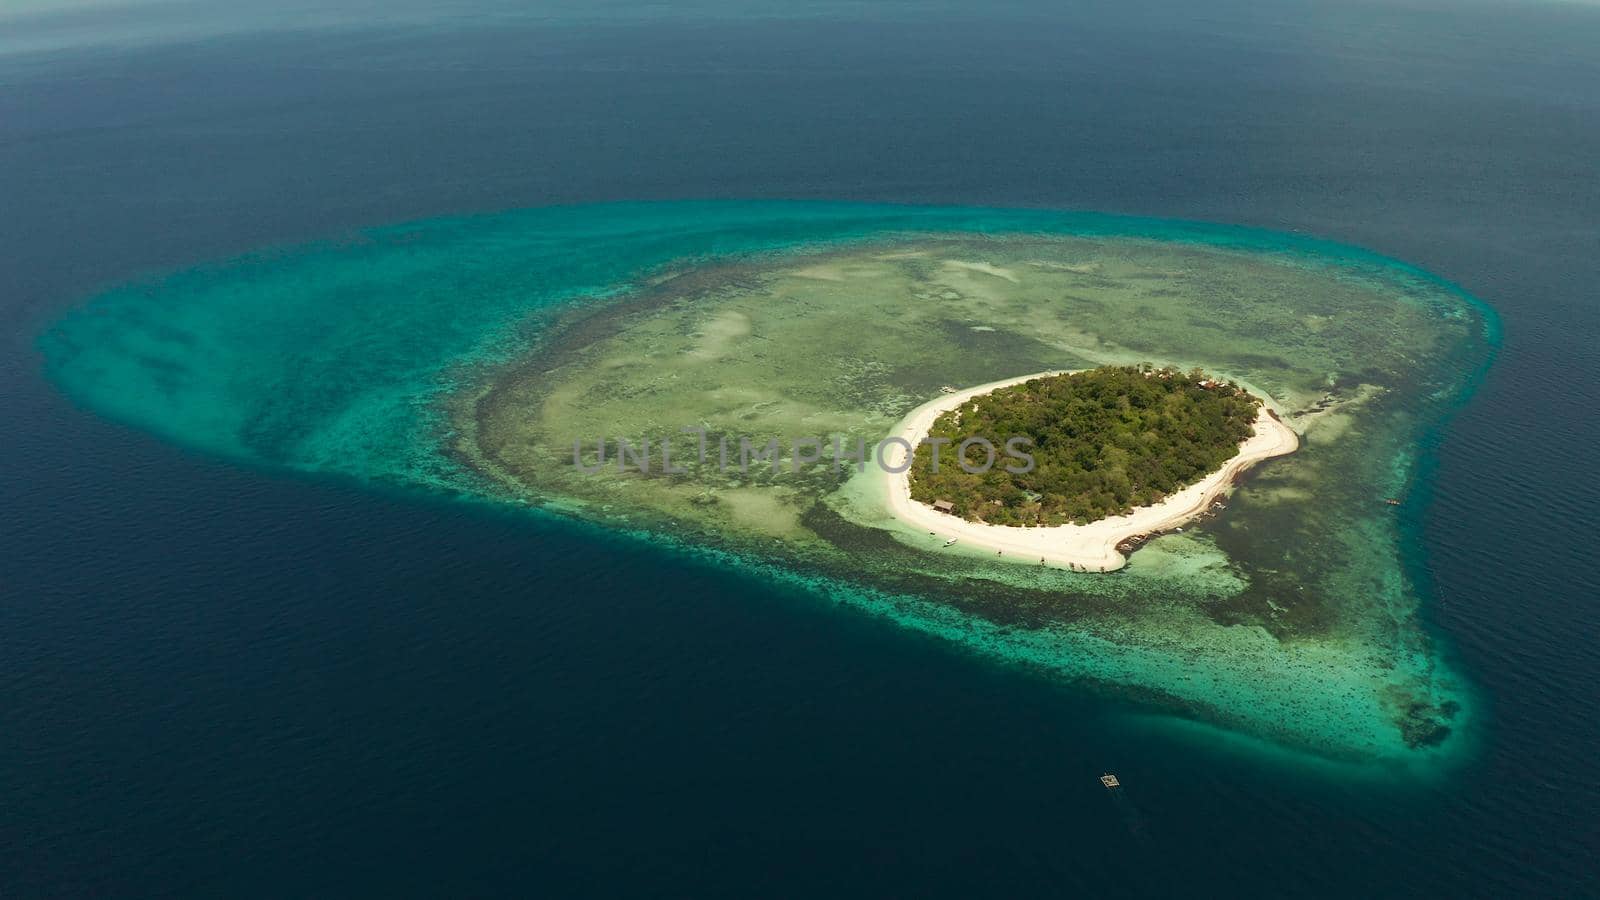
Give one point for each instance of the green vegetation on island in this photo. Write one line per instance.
(1103, 442)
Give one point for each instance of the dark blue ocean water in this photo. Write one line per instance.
(222, 682)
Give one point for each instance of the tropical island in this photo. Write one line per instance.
(1100, 442)
(421, 359)
(1088, 431)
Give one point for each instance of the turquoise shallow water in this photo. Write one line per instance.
(335, 358)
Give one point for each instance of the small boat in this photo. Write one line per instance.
(951, 541)
(1110, 780)
(1392, 501)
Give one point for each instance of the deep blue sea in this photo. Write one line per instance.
(220, 682)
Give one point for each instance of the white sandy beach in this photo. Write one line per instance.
(1091, 547)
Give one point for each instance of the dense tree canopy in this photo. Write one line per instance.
(1104, 442)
